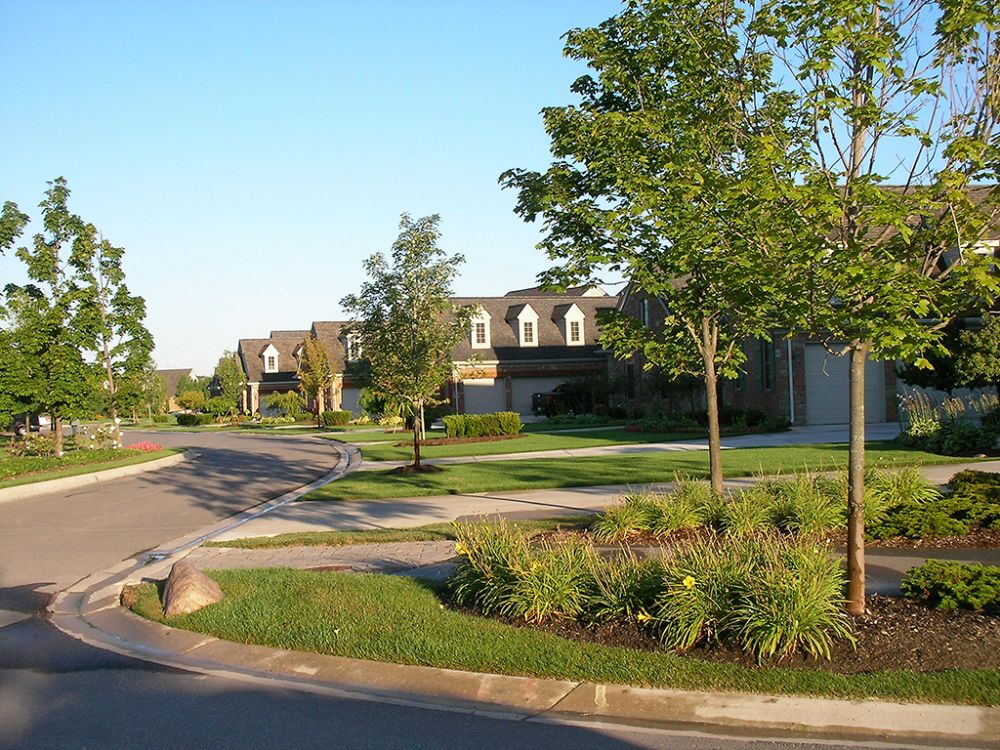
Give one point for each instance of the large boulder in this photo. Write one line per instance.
(188, 590)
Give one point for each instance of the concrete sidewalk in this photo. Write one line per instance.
(794, 436)
(408, 512)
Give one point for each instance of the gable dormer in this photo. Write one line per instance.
(270, 357)
(524, 320)
(570, 320)
(352, 346)
(480, 329)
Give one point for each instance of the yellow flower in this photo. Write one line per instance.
(535, 565)
(688, 582)
(461, 549)
(644, 616)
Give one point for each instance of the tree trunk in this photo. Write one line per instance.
(856, 484)
(708, 347)
(416, 438)
(57, 440)
(320, 404)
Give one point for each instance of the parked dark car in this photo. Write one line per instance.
(21, 422)
(565, 397)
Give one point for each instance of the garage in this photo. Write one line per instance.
(522, 388)
(828, 388)
(349, 400)
(484, 395)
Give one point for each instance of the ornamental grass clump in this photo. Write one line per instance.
(748, 511)
(765, 594)
(636, 513)
(492, 556)
(554, 583)
(807, 504)
(624, 588)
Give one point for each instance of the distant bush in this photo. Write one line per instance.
(278, 420)
(161, 418)
(952, 585)
(335, 418)
(482, 425)
(191, 420)
(578, 420)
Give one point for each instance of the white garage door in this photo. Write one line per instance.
(522, 388)
(484, 396)
(349, 400)
(828, 392)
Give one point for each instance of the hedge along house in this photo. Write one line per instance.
(270, 365)
(526, 342)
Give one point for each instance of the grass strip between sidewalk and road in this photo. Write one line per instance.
(28, 470)
(401, 620)
(526, 444)
(630, 469)
(432, 532)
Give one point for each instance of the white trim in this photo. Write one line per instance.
(268, 354)
(481, 317)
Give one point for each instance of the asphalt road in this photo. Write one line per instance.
(56, 692)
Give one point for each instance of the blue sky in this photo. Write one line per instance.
(250, 155)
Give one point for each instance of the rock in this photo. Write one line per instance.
(188, 590)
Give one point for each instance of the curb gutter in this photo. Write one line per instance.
(33, 489)
(90, 611)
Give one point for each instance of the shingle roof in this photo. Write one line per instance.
(289, 334)
(172, 377)
(573, 291)
(251, 353)
(551, 338)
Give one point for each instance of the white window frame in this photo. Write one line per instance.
(575, 332)
(528, 337)
(481, 317)
(272, 360)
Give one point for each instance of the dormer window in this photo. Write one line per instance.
(524, 320)
(270, 355)
(570, 319)
(353, 347)
(480, 333)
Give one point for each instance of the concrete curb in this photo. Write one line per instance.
(34, 489)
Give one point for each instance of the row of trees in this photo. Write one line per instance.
(73, 340)
(779, 164)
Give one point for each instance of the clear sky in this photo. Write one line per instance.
(250, 155)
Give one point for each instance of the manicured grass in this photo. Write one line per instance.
(430, 533)
(636, 470)
(30, 469)
(528, 443)
(396, 619)
(546, 427)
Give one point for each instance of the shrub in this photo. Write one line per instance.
(492, 554)
(289, 403)
(278, 420)
(335, 418)
(191, 420)
(950, 585)
(32, 444)
(903, 503)
(103, 438)
(160, 418)
(218, 406)
(675, 511)
(482, 425)
(578, 420)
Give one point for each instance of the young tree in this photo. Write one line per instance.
(229, 379)
(315, 374)
(149, 388)
(666, 170)
(900, 100)
(52, 339)
(111, 316)
(199, 383)
(288, 402)
(191, 400)
(404, 321)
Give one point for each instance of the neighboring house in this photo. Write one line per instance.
(170, 380)
(270, 366)
(526, 342)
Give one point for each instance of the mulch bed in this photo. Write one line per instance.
(462, 441)
(895, 633)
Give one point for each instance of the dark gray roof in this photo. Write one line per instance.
(251, 353)
(573, 291)
(172, 377)
(301, 335)
(551, 338)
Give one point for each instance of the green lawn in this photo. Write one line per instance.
(400, 620)
(433, 532)
(637, 469)
(30, 469)
(527, 443)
